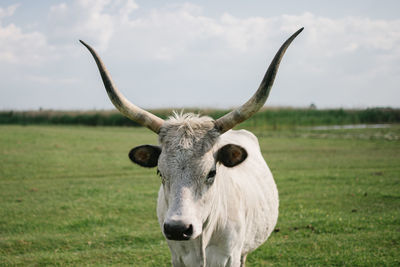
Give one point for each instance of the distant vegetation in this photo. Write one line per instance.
(271, 118)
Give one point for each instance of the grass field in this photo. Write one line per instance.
(69, 196)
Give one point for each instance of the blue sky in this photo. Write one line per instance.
(207, 54)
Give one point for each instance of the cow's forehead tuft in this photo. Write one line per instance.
(189, 132)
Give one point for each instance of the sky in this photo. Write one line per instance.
(203, 54)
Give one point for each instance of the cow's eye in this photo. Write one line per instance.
(159, 174)
(210, 176)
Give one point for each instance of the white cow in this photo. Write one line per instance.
(218, 200)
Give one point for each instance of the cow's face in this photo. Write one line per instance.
(187, 161)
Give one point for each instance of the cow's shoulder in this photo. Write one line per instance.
(241, 137)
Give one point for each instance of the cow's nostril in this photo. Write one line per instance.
(189, 231)
(177, 230)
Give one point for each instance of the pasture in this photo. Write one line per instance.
(69, 196)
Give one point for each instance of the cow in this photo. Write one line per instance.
(217, 200)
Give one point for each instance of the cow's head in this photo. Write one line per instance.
(187, 156)
(186, 161)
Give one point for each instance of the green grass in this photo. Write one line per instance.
(69, 196)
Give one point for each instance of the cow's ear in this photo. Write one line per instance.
(146, 155)
(231, 155)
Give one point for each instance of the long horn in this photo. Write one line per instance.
(244, 112)
(128, 109)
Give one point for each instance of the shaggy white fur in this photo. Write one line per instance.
(231, 216)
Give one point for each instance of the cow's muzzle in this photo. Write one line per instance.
(178, 230)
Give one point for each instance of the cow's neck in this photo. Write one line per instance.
(188, 252)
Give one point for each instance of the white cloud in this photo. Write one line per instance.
(19, 47)
(93, 20)
(179, 30)
(8, 11)
(180, 46)
(175, 32)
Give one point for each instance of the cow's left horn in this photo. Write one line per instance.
(128, 109)
(244, 112)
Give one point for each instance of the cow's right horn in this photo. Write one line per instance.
(128, 109)
(244, 112)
